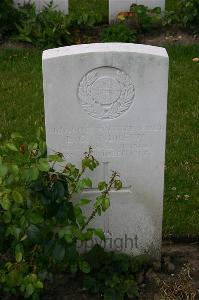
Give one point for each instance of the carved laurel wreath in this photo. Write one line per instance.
(115, 109)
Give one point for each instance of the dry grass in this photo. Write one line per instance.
(179, 287)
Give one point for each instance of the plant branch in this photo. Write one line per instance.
(104, 193)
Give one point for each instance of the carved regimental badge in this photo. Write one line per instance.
(106, 93)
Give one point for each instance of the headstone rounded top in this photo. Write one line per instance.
(105, 47)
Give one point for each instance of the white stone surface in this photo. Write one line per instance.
(152, 3)
(113, 97)
(117, 6)
(61, 5)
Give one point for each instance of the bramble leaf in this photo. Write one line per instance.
(36, 218)
(117, 184)
(43, 165)
(105, 203)
(55, 158)
(3, 170)
(84, 267)
(11, 147)
(58, 252)
(16, 135)
(18, 253)
(5, 202)
(102, 185)
(18, 198)
(83, 202)
(29, 290)
(99, 232)
(14, 169)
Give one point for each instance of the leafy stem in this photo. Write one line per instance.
(104, 194)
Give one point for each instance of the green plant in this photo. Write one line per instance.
(147, 19)
(96, 8)
(119, 33)
(51, 28)
(86, 19)
(188, 11)
(171, 5)
(8, 17)
(46, 29)
(170, 18)
(114, 275)
(186, 14)
(39, 222)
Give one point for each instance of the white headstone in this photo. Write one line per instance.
(117, 6)
(61, 5)
(113, 97)
(152, 3)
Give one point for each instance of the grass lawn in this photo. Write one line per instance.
(171, 4)
(97, 6)
(101, 6)
(21, 100)
(181, 213)
(21, 109)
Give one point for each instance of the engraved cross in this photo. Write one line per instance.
(106, 178)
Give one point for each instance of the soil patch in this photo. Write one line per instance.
(176, 257)
(157, 38)
(4, 44)
(169, 37)
(180, 270)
